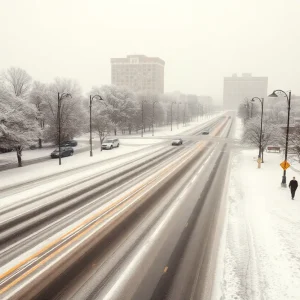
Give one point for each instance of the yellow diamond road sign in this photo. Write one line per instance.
(285, 165)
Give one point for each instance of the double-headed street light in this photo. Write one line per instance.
(288, 97)
(173, 102)
(60, 98)
(97, 97)
(261, 100)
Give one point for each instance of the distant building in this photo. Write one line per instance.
(138, 73)
(236, 89)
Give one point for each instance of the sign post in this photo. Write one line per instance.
(285, 165)
(259, 160)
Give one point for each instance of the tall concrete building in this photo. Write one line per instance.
(138, 73)
(236, 89)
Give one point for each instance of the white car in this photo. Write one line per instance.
(110, 143)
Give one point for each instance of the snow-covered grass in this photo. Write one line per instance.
(139, 142)
(259, 256)
(11, 157)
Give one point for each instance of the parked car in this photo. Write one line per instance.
(32, 147)
(205, 132)
(4, 150)
(110, 143)
(177, 142)
(64, 151)
(71, 143)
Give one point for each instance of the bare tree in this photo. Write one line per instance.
(121, 105)
(248, 110)
(294, 143)
(38, 97)
(17, 81)
(102, 124)
(252, 133)
(73, 117)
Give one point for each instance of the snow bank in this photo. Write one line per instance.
(259, 256)
(43, 169)
(11, 157)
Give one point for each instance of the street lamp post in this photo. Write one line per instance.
(173, 102)
(153, 106)
(288, 97)
(60, 98)
(98, 97)
(261, 123)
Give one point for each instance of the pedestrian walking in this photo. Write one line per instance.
(293, 187)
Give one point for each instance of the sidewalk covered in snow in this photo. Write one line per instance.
(259, 256)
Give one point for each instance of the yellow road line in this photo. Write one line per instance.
(102, 211)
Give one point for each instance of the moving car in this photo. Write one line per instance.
(177, 142)
(205, 132)
(64, 151)
(110, 143)
(71, 143)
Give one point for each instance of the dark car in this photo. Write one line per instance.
(71, 143)
(64, 151)
(205, 132)
(177, 142)
(4, 150)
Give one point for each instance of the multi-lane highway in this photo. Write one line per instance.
(145, 228)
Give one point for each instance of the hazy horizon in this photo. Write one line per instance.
(201, 42)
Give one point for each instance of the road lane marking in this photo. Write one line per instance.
(82, 207)
(114, 204)
(71, 235)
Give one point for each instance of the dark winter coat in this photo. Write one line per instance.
(293, 184)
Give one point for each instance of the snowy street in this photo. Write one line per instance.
(259, 256)
(58, 216)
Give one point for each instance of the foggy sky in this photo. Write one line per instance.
(200, 41)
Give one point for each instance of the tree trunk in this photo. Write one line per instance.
(262, 155)
(19, 156)
(115, 130)
(40, 143)
(100, 143)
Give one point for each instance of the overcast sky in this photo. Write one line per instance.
(200, 41)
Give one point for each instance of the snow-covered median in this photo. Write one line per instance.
(259, 256)
(50, 167)
(11, 157)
